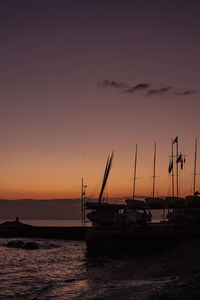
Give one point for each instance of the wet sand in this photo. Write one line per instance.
(182, 264)
(174, 274)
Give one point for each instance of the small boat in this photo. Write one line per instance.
(193, 201)
(136, 204)
(175, 202)
(134, 207)
(104, 214)
(155, 203)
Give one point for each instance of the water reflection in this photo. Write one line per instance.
(67, 272)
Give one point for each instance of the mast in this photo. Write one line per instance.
(172, 169)
(195, 161)
(154, 169)
(135, 172)
(177, 168)
(106, 173)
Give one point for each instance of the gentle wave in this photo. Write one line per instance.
(66, 272)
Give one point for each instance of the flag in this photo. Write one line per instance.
(181, 164)
(170, 166)
(175, 140)
(180, 158)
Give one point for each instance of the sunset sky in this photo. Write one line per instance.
(80, 79)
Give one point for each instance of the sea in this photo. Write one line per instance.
(63, 270)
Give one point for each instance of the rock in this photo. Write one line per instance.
(15, 244)
(30, 246)
(22, 245)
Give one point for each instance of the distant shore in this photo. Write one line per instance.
(46, 222)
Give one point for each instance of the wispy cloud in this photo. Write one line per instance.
(137, 87)
(186, 93)
(160, 91)
(112, 84)
(145, 89)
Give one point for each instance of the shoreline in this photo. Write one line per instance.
(166, 275)
(173, 274)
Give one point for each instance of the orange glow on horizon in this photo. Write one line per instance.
(119, 185)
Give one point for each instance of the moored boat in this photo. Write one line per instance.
(193, 200)
(155, 203)
(175, 202)
(128, 227)
(136, 204)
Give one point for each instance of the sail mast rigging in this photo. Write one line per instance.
(106, 173)
(177, 168)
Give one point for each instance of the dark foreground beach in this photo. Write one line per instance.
(174, 274)
(182, 265)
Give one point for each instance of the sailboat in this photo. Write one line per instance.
(175, 201)
(133, 203)
(194, 200)
(155, 202)
(122, 228)
(104, 214)
(189, 212)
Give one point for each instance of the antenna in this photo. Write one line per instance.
(135, 172)
(83, 192)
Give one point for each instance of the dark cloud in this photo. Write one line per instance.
(138, 87)
(160, 91)
(186, 93)
(145, 87)
(112, 84)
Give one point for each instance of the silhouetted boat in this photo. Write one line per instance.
(136, 204)
(155, 203)
(122, 228)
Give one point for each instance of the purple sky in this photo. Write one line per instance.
(82, 78)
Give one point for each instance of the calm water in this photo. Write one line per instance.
(63, 270)
(156, 217)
